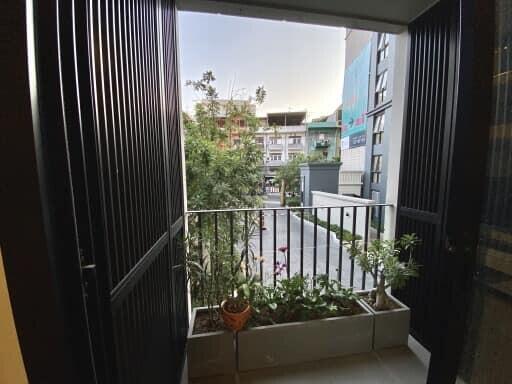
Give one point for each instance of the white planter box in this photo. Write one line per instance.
(210, 354)
(291, 343)
(391, 328)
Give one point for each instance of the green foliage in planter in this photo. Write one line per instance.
(293, 201)
(220, 174)
(218, 265)
(347, 235)
(382, 261)
(298, 299)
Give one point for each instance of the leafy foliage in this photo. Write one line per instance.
(220, 174)
(382, 261)
(297, 299)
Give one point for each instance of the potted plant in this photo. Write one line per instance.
(300, 320)
(218, 281)
(236, 310)
(210, 348)
(382, 261)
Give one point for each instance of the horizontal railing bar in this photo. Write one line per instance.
(286, 208)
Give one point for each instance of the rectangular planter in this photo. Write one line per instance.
(291, 343)
(391, 328)
(210, 354)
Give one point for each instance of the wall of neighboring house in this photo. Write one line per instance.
(314, 135)
(378, 111)
(12, 369)
(275, 155)
(353, 150)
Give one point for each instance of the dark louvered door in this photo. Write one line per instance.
(119, 81)
(425, 157)
(442, 169)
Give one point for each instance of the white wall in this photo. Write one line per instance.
(353, 159)
(395, 130)
(331, 199)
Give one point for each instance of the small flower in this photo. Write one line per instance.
(282, 248)
(279, 268)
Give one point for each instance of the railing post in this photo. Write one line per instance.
(340, 250)
(246, 232)
(261, 246)
(302, 242)
(288, 242)
(379, 218)
(328, 241)
(352, 261)
(275, 247)
(315, 229)
(366, 228)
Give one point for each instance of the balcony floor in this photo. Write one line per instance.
(395, 365)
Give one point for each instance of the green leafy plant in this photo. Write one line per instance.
(220, 175)
(382, 261)
(298, 299)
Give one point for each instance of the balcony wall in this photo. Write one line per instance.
(331, 199)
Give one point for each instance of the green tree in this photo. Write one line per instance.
(288, 177)
(219, 174)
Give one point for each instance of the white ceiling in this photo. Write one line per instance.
(377, 15)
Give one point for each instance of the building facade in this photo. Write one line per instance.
(282, 137)
(323, 137)
(367, 99)
(378, 116)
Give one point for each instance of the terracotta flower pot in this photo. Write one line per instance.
(235, 321)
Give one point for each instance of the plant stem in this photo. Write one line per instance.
(381, 297)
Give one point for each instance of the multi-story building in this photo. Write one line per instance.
(378, 116)
(282, 137)
(231, 116)
(367, 97)
(323, 136)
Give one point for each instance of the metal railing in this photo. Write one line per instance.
(279, 242)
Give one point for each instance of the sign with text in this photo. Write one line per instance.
(355, 98)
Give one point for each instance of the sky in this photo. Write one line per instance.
(300, 65)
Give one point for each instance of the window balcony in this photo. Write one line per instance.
(295, 146)
(275, 146)
(321, 143)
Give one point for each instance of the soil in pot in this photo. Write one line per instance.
(235, 313)
(369, 299)
(282, 315)
(203, 323)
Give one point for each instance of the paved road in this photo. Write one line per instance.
(295, 249)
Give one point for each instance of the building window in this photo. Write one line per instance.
(381, 88)
(293, 155)
(275, 156)
(275, 140)
(236, 142)
(378, 128)
(376, 168)
(382, 47)
(259, 140)
(294, 140)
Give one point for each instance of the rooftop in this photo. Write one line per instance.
(286, 118)
(322, 125)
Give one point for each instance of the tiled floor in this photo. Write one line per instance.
(407, 365)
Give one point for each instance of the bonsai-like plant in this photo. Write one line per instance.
(382, 261)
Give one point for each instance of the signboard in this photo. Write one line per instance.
(355, 99)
